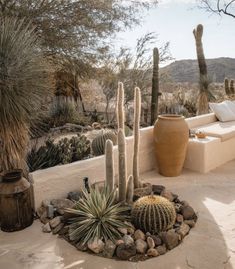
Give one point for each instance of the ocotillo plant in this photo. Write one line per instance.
(137, 112)
(203, 81)
(155, 86)
(130, 190)
(120, 107)
(226, 86)
(122, 166)
(109, 165)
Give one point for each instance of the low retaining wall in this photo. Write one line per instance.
(57, 181)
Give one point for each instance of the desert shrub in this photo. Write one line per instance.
(63, 152)
(62, 111)
(178, 103)
(97, 215)
(82, 120)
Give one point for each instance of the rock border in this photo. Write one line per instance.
(135, 245)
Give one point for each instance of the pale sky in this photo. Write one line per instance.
(174, 21)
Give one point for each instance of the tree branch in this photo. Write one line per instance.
(228, 7)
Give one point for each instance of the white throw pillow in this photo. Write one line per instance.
(223, 111)
(231, 105)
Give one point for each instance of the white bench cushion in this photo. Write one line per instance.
(223, 130)
(224, 111)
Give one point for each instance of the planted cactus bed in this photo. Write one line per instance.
(128, 219)
(159, 222)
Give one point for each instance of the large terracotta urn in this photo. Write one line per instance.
(171, 134)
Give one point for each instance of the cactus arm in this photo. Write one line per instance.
(109, 165)
(232, 91)
(122, 166)
(130, 190)
(155, 86)
(198, 32)
(120, 107)
(226, 86)
(137, 113)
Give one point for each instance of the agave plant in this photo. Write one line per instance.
(23, 84)
(97, 215)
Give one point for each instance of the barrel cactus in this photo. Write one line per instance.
(98, 143)
(153, 214)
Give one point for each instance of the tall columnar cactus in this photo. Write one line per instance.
(137, 112)
(226, 86)
(155, 86)
(120, 107)
(109, 165)
(130, 190)
(232, 91)
(203, 107)
(153, 214)
(122, 166)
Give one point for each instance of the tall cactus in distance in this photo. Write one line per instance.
(203, 107)
(120, 107)
(226, 86)
(155, 86)
(137, 113)
(122, 166)
(232, 91)
(229, 86)
(109, 165)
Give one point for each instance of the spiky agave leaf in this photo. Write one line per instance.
(23, 84)
(97, 215)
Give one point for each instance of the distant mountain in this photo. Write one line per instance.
(187, 70)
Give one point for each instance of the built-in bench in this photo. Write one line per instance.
(216, 149)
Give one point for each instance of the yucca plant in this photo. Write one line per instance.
(97, 215)
(62, 111)
(23, 83)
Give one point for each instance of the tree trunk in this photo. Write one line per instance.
(203, 80)
(107, 110)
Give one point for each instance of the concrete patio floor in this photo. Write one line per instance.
(210, 245)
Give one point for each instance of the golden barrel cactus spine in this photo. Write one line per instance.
(153, 214)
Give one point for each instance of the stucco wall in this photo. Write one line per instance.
(57, 181)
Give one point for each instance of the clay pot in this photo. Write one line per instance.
(171, 134)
